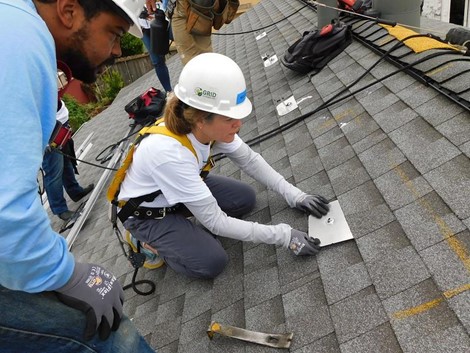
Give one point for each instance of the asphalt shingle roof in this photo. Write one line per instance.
(395, 155)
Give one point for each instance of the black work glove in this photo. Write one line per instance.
(97, 293)
(301, 244)
(315, 205)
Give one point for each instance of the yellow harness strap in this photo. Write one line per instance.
(154, 129)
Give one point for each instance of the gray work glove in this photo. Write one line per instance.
(301, 244)
(315, 205)
(97, 293)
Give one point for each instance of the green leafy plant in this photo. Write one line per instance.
(131, 45)
(113, 83)
(78, 113)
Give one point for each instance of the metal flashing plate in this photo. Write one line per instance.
(262, 35)
(332, 228)
(268, 61)
(286, 106)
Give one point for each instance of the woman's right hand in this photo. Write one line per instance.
(301, 244)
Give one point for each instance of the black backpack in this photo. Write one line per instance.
(147, 107)
(316, 48)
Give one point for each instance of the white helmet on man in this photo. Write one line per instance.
(214, 83)
(132, 8)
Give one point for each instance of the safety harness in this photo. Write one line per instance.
(131, 206)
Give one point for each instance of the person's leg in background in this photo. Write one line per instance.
(26, 325)
(158, 62)
(73, 189)
(53, 166)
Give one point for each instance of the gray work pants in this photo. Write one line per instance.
(187, 248)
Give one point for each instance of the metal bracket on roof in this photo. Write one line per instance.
(286, 106)
(269, 59)
(276, 340)
(262, 35)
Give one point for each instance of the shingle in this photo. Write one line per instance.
(376, 245)
(193, 338)
(340, 282)
(306, 307)
(297, 139)
(358, 128)
(318, 184)
(398, 82)
(327, 344)
(305, 163)
(457, 129)
(166, 333)
(260, 286)
(417, 94)
(292, 268)
(347, 176)
(394, 116)
(424, 146)
(461, 306)
(419, 316)
(396, 271)
(402, 185)
(369, 141)
(452, 183)
(381, 158)
(320, 123)
(336, 153)
(381, 339)
(365, 209)
(266, 317)
(428, 221)
(448, 261)
(438, 110)
(261, 257)
(357, 315)
(466, 149)
(378, 100)
(198, 299)
(333, 134)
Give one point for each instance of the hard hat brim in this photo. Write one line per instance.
(239, 111)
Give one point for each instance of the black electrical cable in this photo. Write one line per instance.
(259, 29)
(81, 160)
(332, 101)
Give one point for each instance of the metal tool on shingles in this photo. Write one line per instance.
(276, 340)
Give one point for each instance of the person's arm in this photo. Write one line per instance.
(255, 166)
(208, 212)
(33, 258)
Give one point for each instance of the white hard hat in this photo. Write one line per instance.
(132, 8)
(214, 83)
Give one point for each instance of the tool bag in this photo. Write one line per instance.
(203, 15)
(147, 107)
(316, 48)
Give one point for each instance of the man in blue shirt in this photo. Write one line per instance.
(38, 275)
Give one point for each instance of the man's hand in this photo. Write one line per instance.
(151, 5)
(315, 205)
(97, 293)
(301, 244)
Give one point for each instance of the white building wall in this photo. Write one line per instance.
(440, 10)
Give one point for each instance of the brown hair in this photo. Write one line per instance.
(181, 118)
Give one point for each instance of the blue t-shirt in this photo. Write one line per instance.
(33, 258)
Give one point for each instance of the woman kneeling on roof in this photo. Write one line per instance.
(207, 110)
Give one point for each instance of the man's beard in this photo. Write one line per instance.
(75, 58)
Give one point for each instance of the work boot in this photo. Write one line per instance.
(85, 192)
(66, 216)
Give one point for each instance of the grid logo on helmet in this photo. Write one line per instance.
(204, 93)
